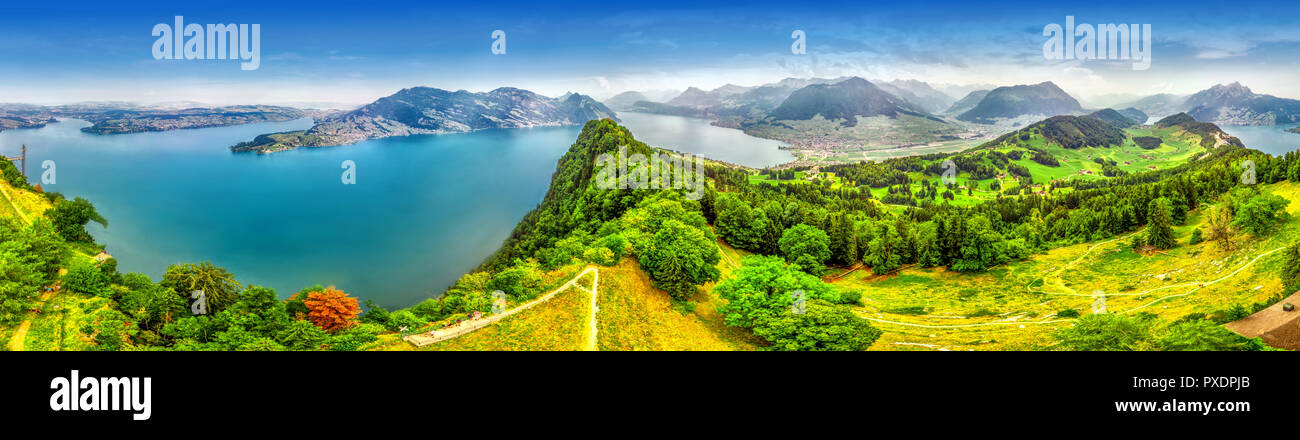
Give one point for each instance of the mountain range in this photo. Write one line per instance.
(1223, 104)
(918, 93)
(426, 110)
(966, 103)
(123, 117)
(1235, 104)
(625, 101)
(845, 100)
(728, 103)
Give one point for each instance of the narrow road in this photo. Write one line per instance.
(591, 314)
(422, 339)
(20, 336)
(17, 343)
(13, 205)
(19, 340)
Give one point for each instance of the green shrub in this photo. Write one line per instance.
(599, 255)
(88, 279)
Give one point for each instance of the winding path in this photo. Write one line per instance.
(17, 343)
(464, 328)
(13, 205)
(591, 313)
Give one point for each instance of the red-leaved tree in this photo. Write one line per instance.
(332, 310)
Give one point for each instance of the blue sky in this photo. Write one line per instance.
(341, 53)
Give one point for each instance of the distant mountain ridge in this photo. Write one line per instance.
(625, 101)
(740, 101)
(846, 100)
(427, 110)
(966, 103)
(1159, 105)
(122, 117)
(1044, 98)
(918, 93)
(1235, 104)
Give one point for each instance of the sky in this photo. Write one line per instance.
(340, 54)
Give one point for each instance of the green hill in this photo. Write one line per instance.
(1114, 118)
(1009, 102)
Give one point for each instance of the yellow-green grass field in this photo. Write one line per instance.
(636, 316)
(1014, 307)
(631, 315)
(558, 324)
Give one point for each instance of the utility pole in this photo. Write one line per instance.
(22, 166)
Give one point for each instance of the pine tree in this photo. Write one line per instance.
(1291, 271)
(844, 248)
(1160, 233)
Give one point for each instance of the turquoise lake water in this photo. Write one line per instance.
(1271, 139)
(424, 209)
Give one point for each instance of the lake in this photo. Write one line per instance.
(1271, 139)
(698, 136)
(424, 210)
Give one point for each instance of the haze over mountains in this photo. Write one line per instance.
(727, 101)
(1224, 104)
(732, 101)
(968, 102)
(918, 93)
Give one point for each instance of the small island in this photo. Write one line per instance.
(277, 142)
(1295, 130)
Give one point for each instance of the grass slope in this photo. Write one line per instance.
(1014, 307)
